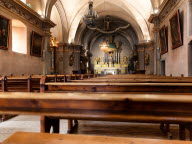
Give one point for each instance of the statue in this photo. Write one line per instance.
(125, 60)
(71, 60)
(53, 42)
(146, 59)
(111, 57)
(117, 44)
(97, 60)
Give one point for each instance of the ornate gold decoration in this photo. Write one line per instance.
(125, 60)
(53, 42)
(146, 59)
(22, 10)
(97, 60)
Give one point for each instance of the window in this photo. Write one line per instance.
(19, 37)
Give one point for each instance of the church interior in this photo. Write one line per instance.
(95, 71)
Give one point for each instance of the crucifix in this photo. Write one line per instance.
(107, 23)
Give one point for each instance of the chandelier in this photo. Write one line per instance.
(91, 16)
(104, 46)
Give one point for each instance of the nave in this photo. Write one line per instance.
(95, 71)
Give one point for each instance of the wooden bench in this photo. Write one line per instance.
(17, 83)
(42, 138)
(142, 77)
(117, 87)
(155, 80)
(162, 86)
(30, 83)
(145, 108)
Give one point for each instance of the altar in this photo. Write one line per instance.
(111, 63)
(111, 69)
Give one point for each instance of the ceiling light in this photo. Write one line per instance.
(156, 10)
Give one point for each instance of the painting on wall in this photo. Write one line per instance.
(36, 46)
(163, 40)
(176, 30)
(4, 32)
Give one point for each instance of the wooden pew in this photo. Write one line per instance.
(17, 83)
(155, 80)
(43, 138)
(117, 87)
(161, 86)
(142, 77)
(27, 84)
(147, 108)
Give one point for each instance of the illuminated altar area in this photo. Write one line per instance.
(111, 62)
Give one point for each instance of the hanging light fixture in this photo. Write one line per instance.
(104, 46)
(91, 16)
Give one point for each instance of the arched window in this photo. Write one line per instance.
(19, 37)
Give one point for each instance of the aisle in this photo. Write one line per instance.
(32, 123)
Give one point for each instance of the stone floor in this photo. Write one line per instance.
(31, 124)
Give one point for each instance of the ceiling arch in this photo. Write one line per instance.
(139, 12)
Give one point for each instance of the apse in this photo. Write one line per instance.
(120, 37)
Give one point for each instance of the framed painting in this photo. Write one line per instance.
(175, 26)
(37, 43)
(163, 40)
(4, 32)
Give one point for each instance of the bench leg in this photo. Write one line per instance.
(76, 123)
(3, 118)
(55, 125)
(189, 128)
(182, 132)
(190, 132)
(162, 126)
(70, 126)
(47, 123)
(165, 128)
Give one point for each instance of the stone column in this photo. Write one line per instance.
(46, 26)
(157, 57)
(52, 49)
(47, 53)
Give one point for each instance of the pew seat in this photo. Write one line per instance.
(145, 108)
(117, 87)
(42, 138)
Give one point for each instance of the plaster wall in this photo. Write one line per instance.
(176, 60)
(16, 63)
(57, 31)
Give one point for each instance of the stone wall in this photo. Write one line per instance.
(177, 60)
(16, 63)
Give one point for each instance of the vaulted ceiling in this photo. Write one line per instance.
(136, 12)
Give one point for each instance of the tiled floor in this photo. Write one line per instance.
(32, 124)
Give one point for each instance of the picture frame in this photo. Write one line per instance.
(36, 44)
(175, 26)
(163, 34)
(4, 32)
